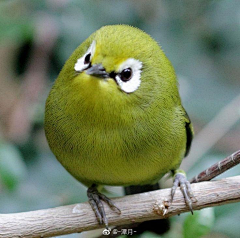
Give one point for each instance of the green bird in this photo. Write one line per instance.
(114, 115)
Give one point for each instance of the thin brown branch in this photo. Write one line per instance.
(218, 168)
(135, 208)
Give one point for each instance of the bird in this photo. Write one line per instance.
(114, 116)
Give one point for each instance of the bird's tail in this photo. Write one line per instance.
(156, 226)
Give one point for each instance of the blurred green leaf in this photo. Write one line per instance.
(12, 167)
(199, 224)
(14, 22)
(148, 234)
(14, 31)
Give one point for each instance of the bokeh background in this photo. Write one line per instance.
(200, 37)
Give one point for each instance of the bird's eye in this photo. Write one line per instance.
(87, 58)
(126, 74)
(84, 62)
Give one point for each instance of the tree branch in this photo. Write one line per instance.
(135, 208)
(218, 168)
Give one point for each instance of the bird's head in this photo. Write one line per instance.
(117, 66)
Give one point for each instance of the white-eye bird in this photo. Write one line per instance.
(114, 115)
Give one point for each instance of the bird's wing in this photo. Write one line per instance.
(189, 133)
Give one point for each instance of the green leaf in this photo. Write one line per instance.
(199, 224)
(12, 167)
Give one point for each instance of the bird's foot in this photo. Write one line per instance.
(95, 198)
(181, 180)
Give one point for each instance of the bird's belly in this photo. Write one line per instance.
(130, 155)
(110, 168)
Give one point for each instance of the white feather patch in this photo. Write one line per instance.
(80, 66)
(133, 84)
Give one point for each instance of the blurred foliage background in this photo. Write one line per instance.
(202, 40)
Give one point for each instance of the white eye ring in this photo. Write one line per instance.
(81, 64)
(134, 82)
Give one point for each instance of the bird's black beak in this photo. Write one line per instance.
(97, 70)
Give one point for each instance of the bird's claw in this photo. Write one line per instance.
(94, 198)
(181, 180)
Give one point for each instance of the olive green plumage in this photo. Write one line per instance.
(103, 135)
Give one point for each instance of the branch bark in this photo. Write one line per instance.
(218, 168)
(135, 208)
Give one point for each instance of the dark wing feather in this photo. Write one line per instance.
(189, 133)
